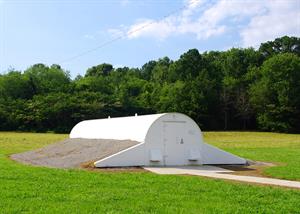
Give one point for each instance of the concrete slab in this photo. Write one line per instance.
(253, 179)
(220, 173)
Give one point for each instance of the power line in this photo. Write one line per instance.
(126, 35)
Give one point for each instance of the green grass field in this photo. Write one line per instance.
(27, 189)
(282, 149)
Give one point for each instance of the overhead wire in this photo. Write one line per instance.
(123, 36)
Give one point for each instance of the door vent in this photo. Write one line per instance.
(194, 155)
(155, 155)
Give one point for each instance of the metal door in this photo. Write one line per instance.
(174, 142)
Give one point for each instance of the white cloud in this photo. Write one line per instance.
(193, 3)
(124, 2)
(163, 28)
(191, 6)
(150, 28)
(281, 19)
(89, 36)
(254, 20)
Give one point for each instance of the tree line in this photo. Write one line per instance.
(237, 89)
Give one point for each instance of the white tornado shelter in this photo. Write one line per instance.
(169, 139)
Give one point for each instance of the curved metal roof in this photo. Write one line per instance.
(120, 128)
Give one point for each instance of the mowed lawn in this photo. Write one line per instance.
(281, 149)
(28, 189)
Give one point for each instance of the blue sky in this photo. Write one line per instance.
(53, 31)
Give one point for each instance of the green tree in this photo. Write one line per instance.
(219, 89)
(160, 70)
(234, 96)
(99, 70)
(14, 85)
(146, 70)
(187, 67)
(284, 44)
(44, 79)
(276, 95)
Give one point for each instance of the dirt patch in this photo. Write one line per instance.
(255, 168)
(90, 167)
(73, 153)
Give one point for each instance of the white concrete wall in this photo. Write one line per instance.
(133, 156)
(213, 155)
(166, 134)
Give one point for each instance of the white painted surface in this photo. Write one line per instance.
(194, 155)
(133, 156)
(253, 179)
(169, 139)
(119, 128)
(213, 155)
(156, 155)
(217, 172)
(191, 170)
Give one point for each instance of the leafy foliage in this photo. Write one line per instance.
(276, 94)
(229, 90)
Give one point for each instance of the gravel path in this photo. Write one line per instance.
(71, 153)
